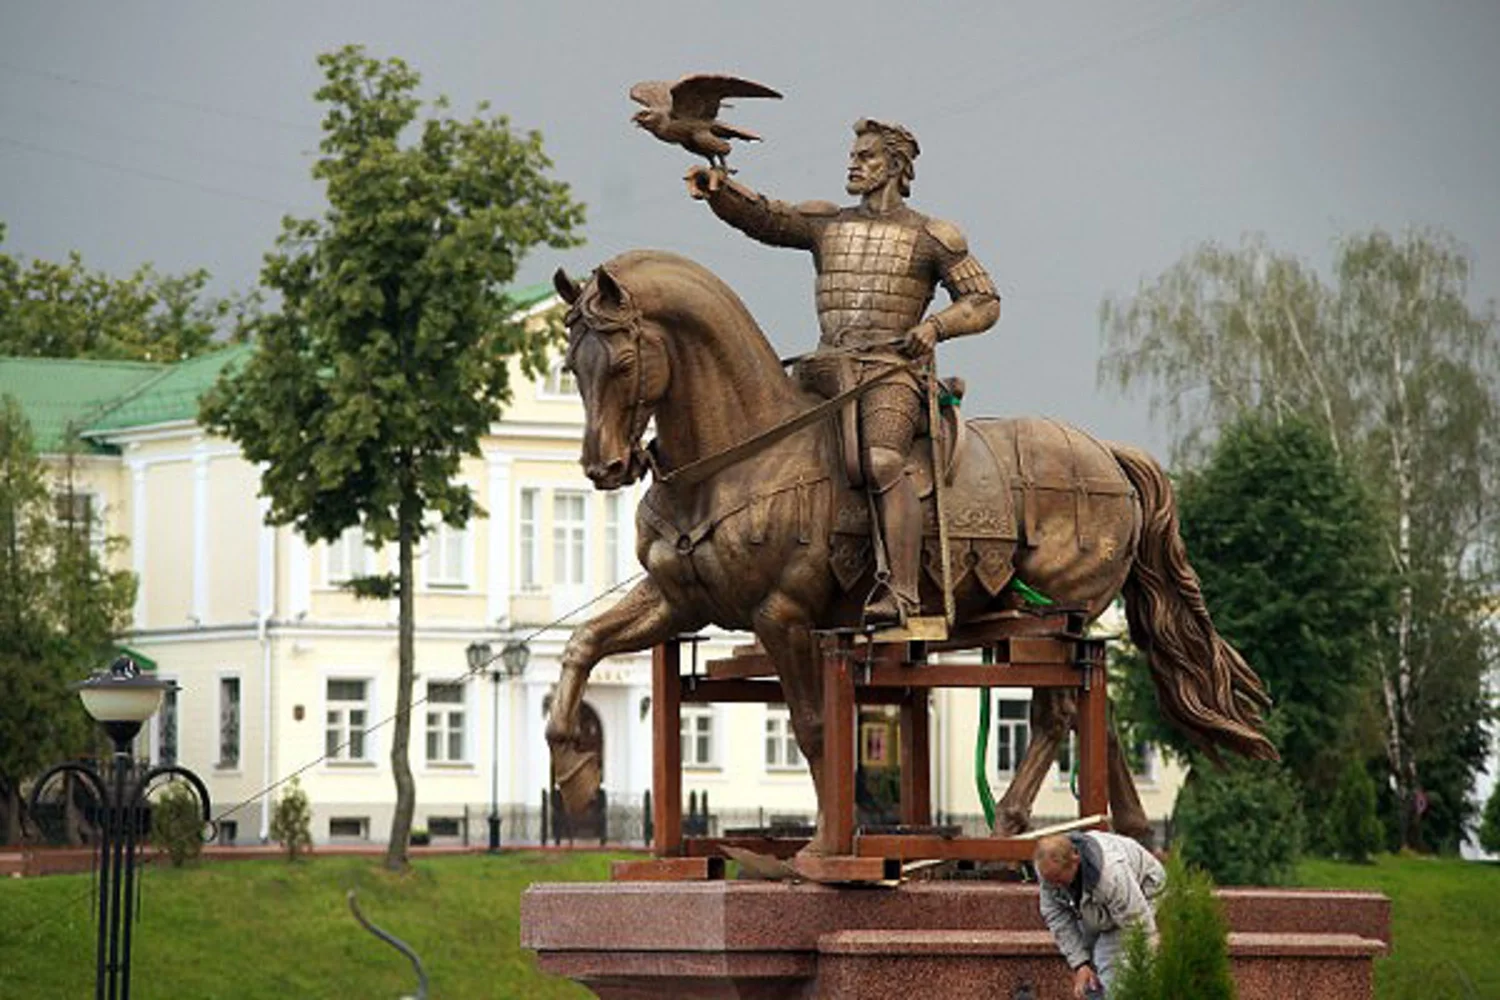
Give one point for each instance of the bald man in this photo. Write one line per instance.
(1094, 887)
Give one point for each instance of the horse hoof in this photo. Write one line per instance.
(577, 775)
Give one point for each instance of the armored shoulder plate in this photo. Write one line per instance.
(817, 208)
(948, 235)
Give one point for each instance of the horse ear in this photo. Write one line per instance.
(611, 295)
(566, 286)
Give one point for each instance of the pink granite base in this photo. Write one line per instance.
(629, 941)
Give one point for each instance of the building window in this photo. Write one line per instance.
(569, 538)
(349, 827)
(445, 723)
(348, 557)
(560, 381)
(229, 722)
(1012, 733)
(611, 539)
(529, 572)
(698, 737)
(782, 752)
(348, 718)
(875, 744)
(448, 556)
(1065, 753)
(76, 512)
(444, 826)
(166, 728)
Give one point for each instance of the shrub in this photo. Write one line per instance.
(1191, 958)
(291, 820)
(1354, 830)
(1489, 825)
(1240, 823)
(177, 823)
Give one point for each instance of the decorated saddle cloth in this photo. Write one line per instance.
(1016, 482)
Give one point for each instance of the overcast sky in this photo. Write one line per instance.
(1081, 146)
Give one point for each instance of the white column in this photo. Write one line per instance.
(138, 540)
(200, 533)
(500, 534)
(299, 575)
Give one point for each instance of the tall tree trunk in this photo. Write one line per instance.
(406, 791)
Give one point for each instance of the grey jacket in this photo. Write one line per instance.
(1120, 881)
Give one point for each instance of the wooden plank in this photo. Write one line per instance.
(776, 847)
(666, 740)
(740, 666)
(1093, 742)
(668, 870)
(972, 675)
(1035, 649)
(916, 760)
(915, 847)
(847, 868)
(837, 793)
(703, 692)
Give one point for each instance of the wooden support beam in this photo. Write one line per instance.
(845, 868)
(1093, 736)
(837, 793)
(740, 666)
(666, 737)
(776, 847)
(970, 675)
(916, 760)
(668, 870)
(703, 692)
(918, 847)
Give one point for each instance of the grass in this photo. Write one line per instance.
(257, 930)
(246, 930)
(1445, 923)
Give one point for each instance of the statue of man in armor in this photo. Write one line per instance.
(878, 264)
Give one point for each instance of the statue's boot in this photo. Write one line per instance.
(900, 511)
(577, 774)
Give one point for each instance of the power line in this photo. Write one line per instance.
(68, 154)
(146, 95)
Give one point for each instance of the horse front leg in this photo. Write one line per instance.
(1052, 712)
(640, 620)
(784, 627)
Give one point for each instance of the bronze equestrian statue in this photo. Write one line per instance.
(753, 524)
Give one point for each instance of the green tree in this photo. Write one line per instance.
(177, 823)
(60, 610)
(291, 821)
(1241, 823)
(1489, 825)
(1353, 827)
(1191, 957)
(64, 309)
(1288, 548)
(1398, 371)
(387, 360)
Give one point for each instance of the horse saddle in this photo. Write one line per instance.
(1013, 480)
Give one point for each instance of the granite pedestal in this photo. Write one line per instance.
(955, 940)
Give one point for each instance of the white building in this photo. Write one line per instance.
(283, 672)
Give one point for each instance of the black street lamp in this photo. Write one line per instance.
(120, 700)
(513, 660)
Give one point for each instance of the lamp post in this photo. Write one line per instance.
(120, 700)
(512, 664)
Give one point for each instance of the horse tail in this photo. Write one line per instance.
(1203, 686)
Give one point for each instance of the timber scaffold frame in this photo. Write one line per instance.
(1029, 649)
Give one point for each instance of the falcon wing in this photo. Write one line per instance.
(698, 96)
(652, 93)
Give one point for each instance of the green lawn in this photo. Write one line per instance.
(1445, 923)
(245, 930)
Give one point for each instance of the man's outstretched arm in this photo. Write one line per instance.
(772, 222)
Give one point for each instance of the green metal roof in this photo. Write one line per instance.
(173, 395)
(58, 394)
(99, 396)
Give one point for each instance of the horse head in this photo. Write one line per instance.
(619, 359)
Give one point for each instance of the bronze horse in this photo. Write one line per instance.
(749, 546)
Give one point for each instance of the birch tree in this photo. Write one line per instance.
(1400, 370)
